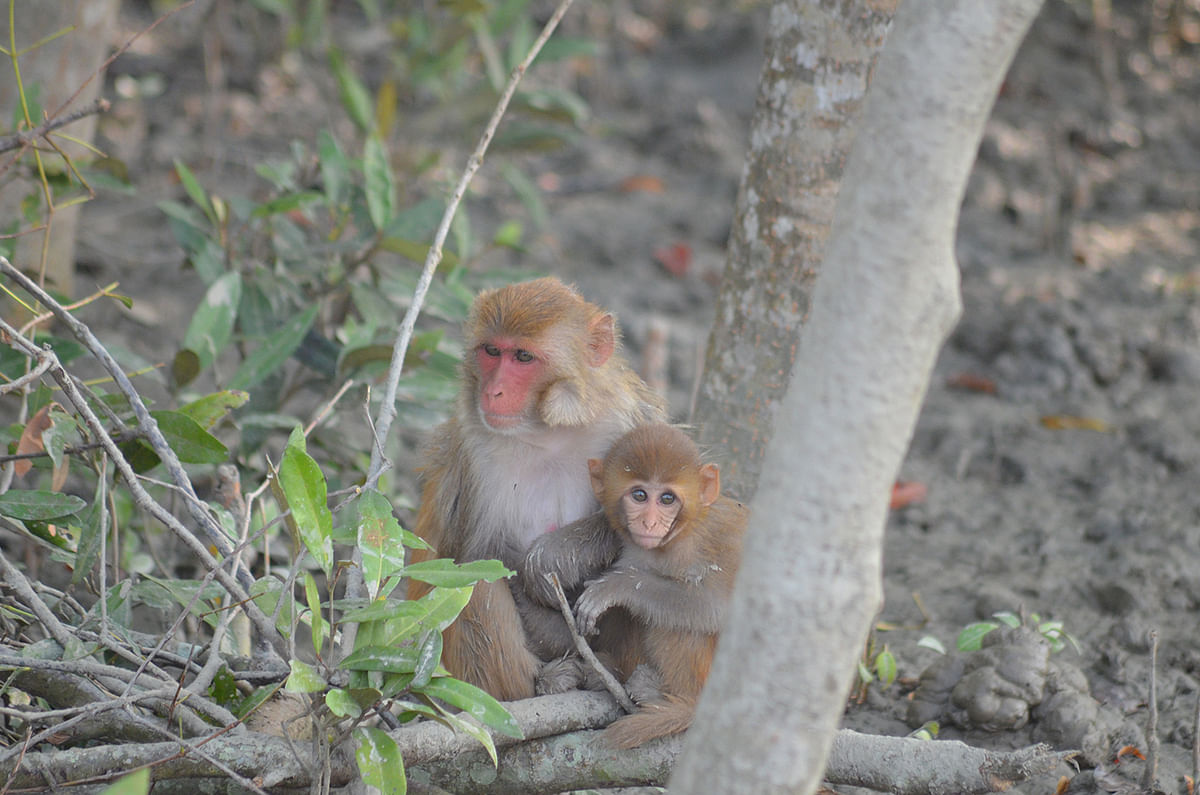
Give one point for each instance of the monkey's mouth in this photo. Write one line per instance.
(645, 541)
(502, 422)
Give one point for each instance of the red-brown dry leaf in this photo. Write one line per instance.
(644, 183)
(972, 382)
(1063, 783)
(907, 493)
(31, 439)
(676, 258)
(1129, 750)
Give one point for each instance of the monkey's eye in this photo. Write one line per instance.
(667, 498)
(524, 356)
(639, 495)
(490, 350)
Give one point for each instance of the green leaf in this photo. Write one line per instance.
(61, 434)
(38, 505)
(930, 642)
(185, 366)
(447, 573)
(95, 526)
(335, 167)
(415, 250)
(356, 99)
(393, 659)
(208, 410)
(380, 539)
(471, 730)
(252, 701)
(885, 667)
(194, 191)
(184, 592)
(286, 203)
(304, 679)
(864, 673)
(191, 443)
(1008, 617)
(509, 234)
(971, 638)
(341, 703)
(212, 323)
(274, 350)
(379, 185)
(475, 702)
(316, 620)
(429, 657)
(135, 783)
(379, 762)
(266, 593)
(305, 491)
(223, 689)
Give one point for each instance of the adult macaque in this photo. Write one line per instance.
(681, 545)
(544, 387)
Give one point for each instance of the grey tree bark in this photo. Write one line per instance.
(819, 57)
(887, 297)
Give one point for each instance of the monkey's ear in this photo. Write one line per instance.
(596, 470)
(710, 484)
(602, 339)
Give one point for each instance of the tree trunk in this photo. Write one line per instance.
(819, 57)
(58, 68)
(888, 295)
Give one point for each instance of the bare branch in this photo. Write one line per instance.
(141, 497)
(17, 140)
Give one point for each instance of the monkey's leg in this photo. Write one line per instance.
(486, 645)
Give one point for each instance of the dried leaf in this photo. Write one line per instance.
(644, 183)
(31, 439)
(1129, 750)
(972, 382)
(676, 258)
(906, 493)
(1067, 422)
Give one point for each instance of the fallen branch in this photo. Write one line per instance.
(908, 766)
(562, 752)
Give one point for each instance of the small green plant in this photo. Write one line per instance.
(875, 665)
(971, 637)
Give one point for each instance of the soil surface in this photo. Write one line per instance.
(1059, 439)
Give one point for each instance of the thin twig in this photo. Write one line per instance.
(141, 497)
(146, 423)
(387, 406)
(387, 410)
(585, 651)
(1150, 773)
(18, 383)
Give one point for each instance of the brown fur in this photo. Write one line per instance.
(487, 494)
(677, 592)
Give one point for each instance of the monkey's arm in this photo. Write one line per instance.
(576, 553)
(687, 606)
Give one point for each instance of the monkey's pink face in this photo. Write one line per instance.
(650, 513)
(509, 375)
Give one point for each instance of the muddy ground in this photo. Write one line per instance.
(1062, 479)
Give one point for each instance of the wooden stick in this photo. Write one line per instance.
(585, 651)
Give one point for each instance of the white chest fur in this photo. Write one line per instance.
(529, 489)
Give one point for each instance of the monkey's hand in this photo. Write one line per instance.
(597, 597)
(574, 553)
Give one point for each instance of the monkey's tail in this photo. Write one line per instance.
(666, 715)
